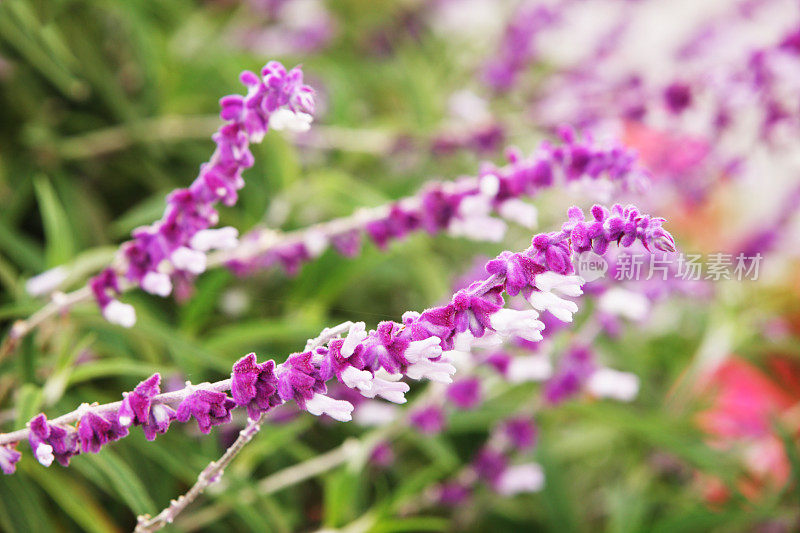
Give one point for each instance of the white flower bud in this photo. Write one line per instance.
(44, 454)
(439, 371)
(559, 283)
(394, 391)
(320, 404)
(375, 414)
(355, 336)
(489, 185)
(215, 239)
(285, 119)
(520, 478)
(119, 313)
(534, 368)
(189, 260)
(315, 242)
(609, 383)
(521, 212)
(478, 228)
(625, 303)
(157, 283)
(425, 349)
(357, 379)
(547, 301)
(46, 282)
(510, 322)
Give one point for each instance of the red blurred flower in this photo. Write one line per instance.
(746, 403)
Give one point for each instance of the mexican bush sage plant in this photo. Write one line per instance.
(371, 362)
(367, 363)
(472, 207)
(176, 245)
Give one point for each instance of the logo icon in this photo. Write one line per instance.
(590, 266)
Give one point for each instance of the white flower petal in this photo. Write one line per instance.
(520, 479)
(157, 283)
(339, 410)
(189, 260)
(215, 239)
(119, 313)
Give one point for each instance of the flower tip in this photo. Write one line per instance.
(665, 243)
(44, 454)
(119, 313)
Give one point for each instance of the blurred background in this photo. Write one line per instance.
(106, 106)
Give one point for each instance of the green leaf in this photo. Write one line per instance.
(58, 235)
(124, 481)
(21, 506)
(414, 483)
(201, 307)
(113, 367)
(241, 336)
(342, 490)
(790, 447)
(21, 248)
(74, 499)
(559, 505)
(29, 402)
(414, 523)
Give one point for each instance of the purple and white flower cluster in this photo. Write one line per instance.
(463, 208)
(517, 47)
(370, 362)
(176, 246)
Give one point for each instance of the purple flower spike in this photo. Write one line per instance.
(386, 348)
(520, 432)
(8, 459)
(552, 253)
(435, 322)
(382, 455)
(473, 312)
(276, 100)
(518, 269)
(209, 408)
(298, 380)
(573, 372)
(348, 244)
(49, 441)
(489, 464)
(465, 393)
(623, 225)
(453, 494)
(135, 407)
(158, 422)
(95, 431)
(254, 385)
(429, 420)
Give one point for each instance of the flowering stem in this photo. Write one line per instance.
(169, 398)
(213, 472)
(260, 243)
(264, 241)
